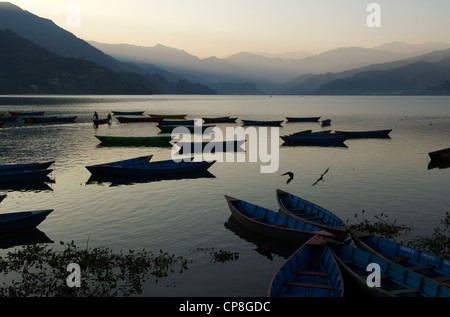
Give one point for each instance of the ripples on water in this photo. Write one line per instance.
(179, 216)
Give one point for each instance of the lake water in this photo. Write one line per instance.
(179, 216)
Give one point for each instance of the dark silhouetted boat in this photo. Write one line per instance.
(17, 221)
(365, 134)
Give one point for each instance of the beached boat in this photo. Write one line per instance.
(128, 113)
(177, 122)
(440, 155)
(302, 119)
(424, 263)
(137, 119)
(17, 221)
(272, 224)
(27, 166)
(326, 138)
(274, 123)
(304, 210)
(168, 116)
(190, 128)
(159, 140)
(128, 162)
(395, 280)
(9, 176)
(167, 167)
(365, 134)
(220, 120)
(312, 271)
(54, 119)
(211, 147)
(26, 114)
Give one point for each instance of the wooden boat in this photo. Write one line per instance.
(177, 122)
(211, 147)
(128, 113)
(168, 167)
(275, 123)
(395, 280)
(327, 138)
(309, 132)
(9, 176)
(312, 271)
(50, 119)
(128, 162)
(306, 211)
(2, 197)
(302, 119)
(365, 134)
(440, 155)
(272, 224)
(17, 221)
(137, 119)
(220, 120)
(159, 140)
(168, 116)
(26, 114)
(27, 166)
(190, 128)
(424, 263)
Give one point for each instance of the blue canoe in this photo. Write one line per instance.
(27, 166)
(168, 167)
(272, 224)
(24, 220)
(317, 138)
(11, 176)
(395, 280)
(424, 263)
(312, 271)
(128, 162)
(304, 210)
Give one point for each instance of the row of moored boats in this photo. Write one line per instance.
(331, 254)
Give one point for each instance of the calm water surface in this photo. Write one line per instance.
(179, 216)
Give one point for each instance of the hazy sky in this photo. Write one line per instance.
(224, 27)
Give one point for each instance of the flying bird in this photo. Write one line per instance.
(321, 177)
(291, 176)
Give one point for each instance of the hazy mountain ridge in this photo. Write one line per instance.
(47, 35)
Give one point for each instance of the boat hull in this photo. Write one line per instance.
(157, 141)
(276, 123)
(15, 176)
(27, 166)
(365, 134)
(303, 210)
(137, 119)
(440, 155)
(272, 224)
(302, 119)
(129, 162)
(22, 220)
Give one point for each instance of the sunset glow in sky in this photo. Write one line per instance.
(225, 27)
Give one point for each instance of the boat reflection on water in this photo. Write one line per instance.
(25, 237)
(264, 246)
(313, 144)
(115, 180)
(32, 186)
(438, 164)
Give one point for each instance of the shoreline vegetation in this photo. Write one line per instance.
(43, 272)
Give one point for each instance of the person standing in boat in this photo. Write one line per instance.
(109, 117)
(95, 115)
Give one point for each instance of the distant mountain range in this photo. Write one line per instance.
(393, 68)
